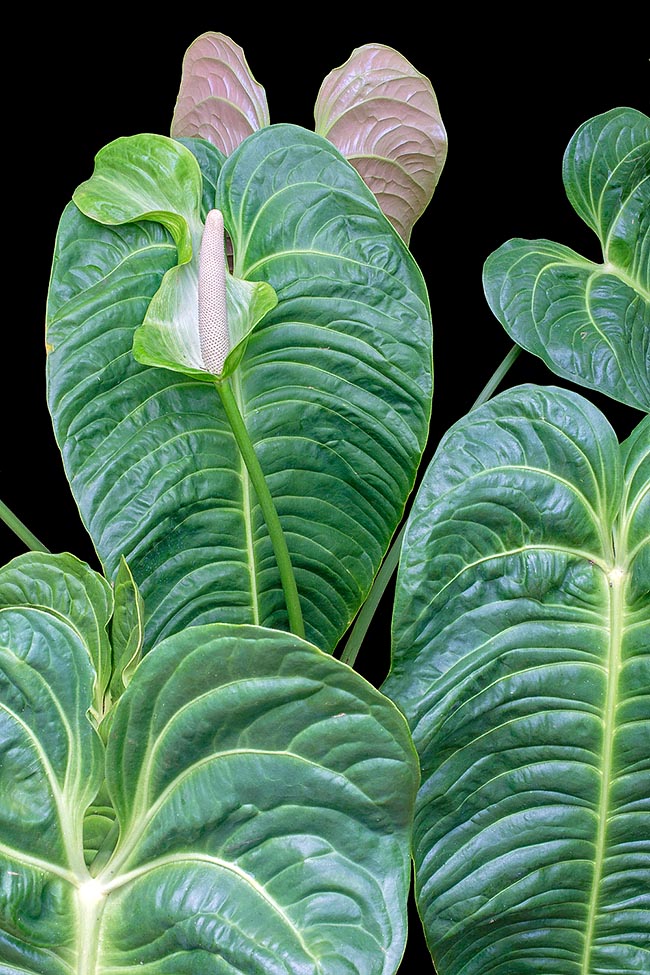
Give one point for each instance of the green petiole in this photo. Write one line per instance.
(21, 530)
(267, 505)
(390, 563)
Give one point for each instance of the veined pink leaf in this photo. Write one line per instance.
(218, 100)
(383, 116)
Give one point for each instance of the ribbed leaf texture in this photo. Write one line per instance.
(264, 794)
(521, 658)
(334, 387)
(383, 115)
(218, 100)
(589, 322)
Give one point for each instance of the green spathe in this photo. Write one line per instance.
(152, 177)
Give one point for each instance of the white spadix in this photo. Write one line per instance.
(199, 320)
(213, 313)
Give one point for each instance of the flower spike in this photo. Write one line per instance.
(213, 314)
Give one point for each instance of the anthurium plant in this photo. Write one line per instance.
(194, 776)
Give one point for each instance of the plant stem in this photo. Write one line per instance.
(496, 377)
(258, 481)
(389, 565)
(367, 611)
(24, 534)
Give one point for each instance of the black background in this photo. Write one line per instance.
(511, 91)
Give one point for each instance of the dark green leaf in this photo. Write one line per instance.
(70, 590)
(51, 766)
(590, 323)
(264, 794)
(521, 651)
(334, 386)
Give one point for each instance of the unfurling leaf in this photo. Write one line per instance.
(127, 630)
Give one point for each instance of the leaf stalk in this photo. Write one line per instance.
(496, 377)
(21, 530)
(390, 563)
(267, 505)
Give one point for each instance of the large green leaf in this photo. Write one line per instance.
(70, 590)
(51, 768)
(521, 655)
(264, 793)
(590, 323)
(334, 386)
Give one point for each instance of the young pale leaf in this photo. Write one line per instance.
(219, 100)
(264, 794)
(334, 386)
(521, 650)
(590, 323)
(99, 826)
(127, 630)
(70, 590)
(383, 115)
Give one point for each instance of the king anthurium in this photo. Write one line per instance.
(334, 383)
(239, 376)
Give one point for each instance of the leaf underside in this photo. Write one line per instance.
(383, 115)
(521, 640)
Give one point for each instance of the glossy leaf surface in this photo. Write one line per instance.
(51, 767)
(521, 653)
(66, 587)
(590, 323)
(264, 793)
(334, 387)
(383, 115)
(218, 100)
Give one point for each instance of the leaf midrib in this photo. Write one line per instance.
(616, 583)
